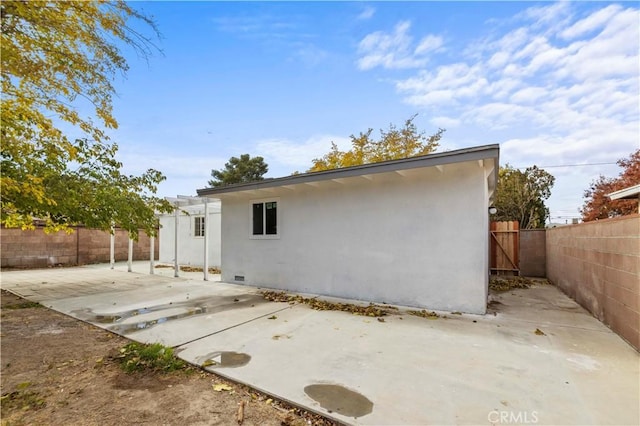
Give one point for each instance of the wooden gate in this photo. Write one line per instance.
(505, 243)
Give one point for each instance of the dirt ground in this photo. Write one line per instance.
(58, 370)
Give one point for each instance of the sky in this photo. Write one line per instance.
(556, 84)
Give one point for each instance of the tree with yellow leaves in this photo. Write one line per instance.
(393, 144)
(55, 57)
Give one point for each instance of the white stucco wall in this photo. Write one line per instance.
(190, 247)
(419, 238)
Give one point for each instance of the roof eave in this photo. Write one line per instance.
(629, 193)
(431, 160)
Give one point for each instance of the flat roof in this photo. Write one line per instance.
(430, 160)
(626, 193)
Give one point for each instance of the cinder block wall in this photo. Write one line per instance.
(36, 249)
(533, 253)
(598, 264)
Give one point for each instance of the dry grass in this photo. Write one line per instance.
(189, 268)
(500, 283)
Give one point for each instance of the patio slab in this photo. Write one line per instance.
(456, 369)
(145, 308)
(462, 369)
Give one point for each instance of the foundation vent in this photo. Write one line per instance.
(239, 278)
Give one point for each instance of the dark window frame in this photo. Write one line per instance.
(264, 219)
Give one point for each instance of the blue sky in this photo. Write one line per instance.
(553, 83)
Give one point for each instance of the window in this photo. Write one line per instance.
(198, 226)
(264, 219)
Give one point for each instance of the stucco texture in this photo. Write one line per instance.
(190, 246)
(417, 237)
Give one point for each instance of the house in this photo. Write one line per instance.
(411, 232)
(191, 233)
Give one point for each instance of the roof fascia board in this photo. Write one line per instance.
(451, 157)
(626, 193)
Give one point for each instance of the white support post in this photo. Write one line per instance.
(112, 247)
(176, 267)
(206, 240)
(152, 253)
(130, 257)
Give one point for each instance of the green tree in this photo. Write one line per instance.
(598, 206)
(393, 144)
(56, 57)
(240, 170)
(521, 195)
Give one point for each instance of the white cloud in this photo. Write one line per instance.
(528, 78)
(498, 60)
(445, 122)
(499, 115)
(528, 95)
(612, 53)
(513, 41)
(171, 165)
(591, 23)
(298, 154)
(557, 86)
(549, 18)
(428, 44)
(394, 50)
(448, 84)
(185, 174)
(367, 13)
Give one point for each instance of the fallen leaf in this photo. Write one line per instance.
(209, 362)
(240, 414)
(272, 317)
(219, 387)
(322, 305)
(381, 319)
(268, 401)
(539, 332)
(424, 314)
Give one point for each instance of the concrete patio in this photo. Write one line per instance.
(456, 369)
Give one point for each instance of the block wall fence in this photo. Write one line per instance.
(598, 264)
(533, 253)
(36, 249)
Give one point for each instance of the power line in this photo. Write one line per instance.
(581, 165)
(571, 165)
